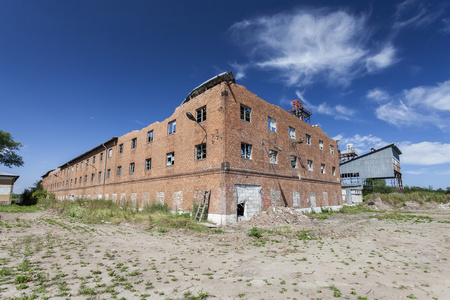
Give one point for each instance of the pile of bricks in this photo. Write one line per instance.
(275, 216)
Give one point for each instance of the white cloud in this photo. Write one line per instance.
(338, 111)
(378, 95)
(425, 153)
(310, 45)
(381, 60)
(415, 107)
(240, 70)
(362, 144)
(413, 13)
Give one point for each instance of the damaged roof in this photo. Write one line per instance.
(210, 83)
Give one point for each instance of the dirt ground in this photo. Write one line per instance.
(350, 256)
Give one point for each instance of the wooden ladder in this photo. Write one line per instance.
(204, 202)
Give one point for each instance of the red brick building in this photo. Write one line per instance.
(249, 153)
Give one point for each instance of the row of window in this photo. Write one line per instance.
(272, 126)
(246, 152)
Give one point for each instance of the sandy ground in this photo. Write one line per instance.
(355, 256)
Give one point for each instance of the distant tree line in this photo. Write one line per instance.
(379, 186)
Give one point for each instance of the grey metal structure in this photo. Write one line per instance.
(383, 163)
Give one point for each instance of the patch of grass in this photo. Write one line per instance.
(255, 232)
(14, 208)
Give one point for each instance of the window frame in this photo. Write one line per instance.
(121, 148)
(108, 173)
(134, 143)
(200, 114)
(171, 162)
(321, 145)
(291, 130)
(322, 168)
(331, 149)
(272, 124)
(200, 149)
(273, 157)
(308, 139)
(132, 167)
(294, 159)
(119, 171)
(150, 136)
(148, 164)
(310, 165)
(172, 127)
(246, 113)
(246, 150)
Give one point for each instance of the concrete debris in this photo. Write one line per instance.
(275, 216)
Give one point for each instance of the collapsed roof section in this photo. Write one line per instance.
(210, 83)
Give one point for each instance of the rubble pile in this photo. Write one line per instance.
(276, 216)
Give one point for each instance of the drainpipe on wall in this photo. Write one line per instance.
(104, 168)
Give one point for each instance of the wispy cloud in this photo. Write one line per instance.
(381, 60)
(422, 153)
(310, 45)
(361, 143)
(415, 107)
(240, 70)
(415, 13)
(339, 112)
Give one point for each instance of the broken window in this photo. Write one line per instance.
(321, 145)
(121, 148)
(322, 168)
(308, 139)
(292, 133)
(273, 156)
(200, 151)
(246, 150)
(201, 114)
(331, 149)
(119, 171)
(172, 127)
(245, 113)
(293, 161)
(170, 160)
(310, 165)
(333, 171)
(133, 143)
(148, 164)
(150, 136)
(272, 124)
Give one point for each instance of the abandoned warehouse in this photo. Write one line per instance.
(224, 143)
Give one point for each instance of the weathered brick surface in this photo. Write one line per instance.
(180, 185)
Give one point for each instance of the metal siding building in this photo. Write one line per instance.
(383, 163)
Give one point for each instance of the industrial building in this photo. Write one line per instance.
(223, 144)
(383, 163)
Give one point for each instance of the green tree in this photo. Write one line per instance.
(31, 196)
(8, 148)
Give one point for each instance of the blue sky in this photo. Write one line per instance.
(73, 74)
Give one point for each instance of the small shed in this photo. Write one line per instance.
(383, 163)
(6, 187)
